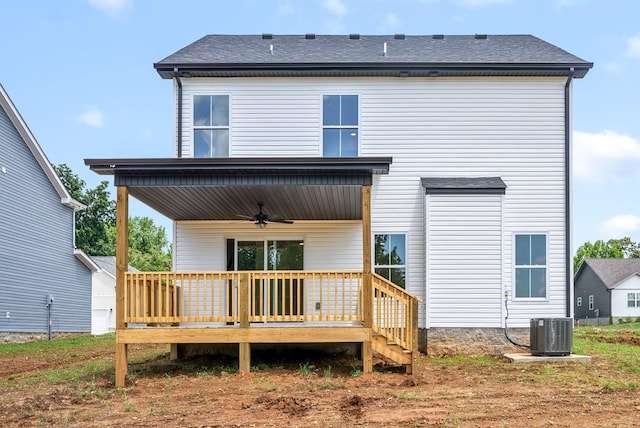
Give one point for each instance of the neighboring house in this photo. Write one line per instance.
(608, 288)
(441, 163)
(103, 295)
(41, 274)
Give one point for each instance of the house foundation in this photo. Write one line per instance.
(443, 342)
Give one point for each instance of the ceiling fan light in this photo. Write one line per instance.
(261, 224)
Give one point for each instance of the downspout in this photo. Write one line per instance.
(179, 83)
(567, 184)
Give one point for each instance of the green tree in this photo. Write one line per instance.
(613, 248)
(149, 248)
(93, 222)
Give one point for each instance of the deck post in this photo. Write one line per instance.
(244, 348)
(410, 368)
(367, 286)
(122, 264)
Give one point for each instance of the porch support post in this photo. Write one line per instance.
(244, 350)
(367, 290)
(122, 263)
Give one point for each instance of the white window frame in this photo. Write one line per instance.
(406, 255)
(635, 299)
(323, 127)
(591, 302)
(579, 301)
(516, 266)
(195, 127)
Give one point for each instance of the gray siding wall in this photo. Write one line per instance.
(588, 283)
(36, 255)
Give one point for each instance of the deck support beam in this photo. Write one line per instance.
(244, 348)
(367, 284)
(244, 357)
(122, 264)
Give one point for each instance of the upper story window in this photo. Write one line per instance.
(390, 257)
(531, 265)
(211, 126)
(340, 125)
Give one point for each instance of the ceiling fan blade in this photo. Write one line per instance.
(280, 220)
(246, 217)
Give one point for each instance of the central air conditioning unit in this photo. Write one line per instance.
(551, 336)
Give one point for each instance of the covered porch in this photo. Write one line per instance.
(242, 307)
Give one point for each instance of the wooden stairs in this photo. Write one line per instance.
(394, 352)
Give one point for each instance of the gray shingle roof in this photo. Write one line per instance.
(223, 55)
(463, 185)
(612, 271)
(108, 264)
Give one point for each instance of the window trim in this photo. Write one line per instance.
(406, 255)
(193, 127)
(323, 127)
(636, 299)
(515, 266)
(579, 301)
(591, 302)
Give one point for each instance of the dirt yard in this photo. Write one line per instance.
(58, 388)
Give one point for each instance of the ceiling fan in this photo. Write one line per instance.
(261, 218)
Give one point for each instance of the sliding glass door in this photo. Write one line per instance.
(285, 296)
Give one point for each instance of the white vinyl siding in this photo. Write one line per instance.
(464, 266)
(620, 299)
(335, 245)
(511, 128)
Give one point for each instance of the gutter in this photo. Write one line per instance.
(176, 75)
(567, 183)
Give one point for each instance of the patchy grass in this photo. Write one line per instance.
(70, 381)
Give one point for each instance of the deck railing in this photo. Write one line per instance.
(159, 298)
(395, 313)
(170, 298)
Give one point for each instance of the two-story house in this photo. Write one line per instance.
(45, 282)
(392, 184)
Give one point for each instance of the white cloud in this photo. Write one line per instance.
(480, 3)
(391, 20)
(622, 225)
(606, 156)
(111, 7)
(633, 47)
(93, 117)
(337, 7)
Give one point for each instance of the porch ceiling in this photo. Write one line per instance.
(224, 189)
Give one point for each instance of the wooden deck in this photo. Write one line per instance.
(263, 306)
(269, 307)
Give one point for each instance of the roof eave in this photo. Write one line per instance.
(168, 70)
(374, 165)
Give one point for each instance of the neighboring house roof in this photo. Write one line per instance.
(108, 264)
(86, 260)
(36, 150)
(612, 271)
(371, 55)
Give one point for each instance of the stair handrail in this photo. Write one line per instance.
(395, 313)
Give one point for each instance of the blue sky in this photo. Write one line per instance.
(81, 74)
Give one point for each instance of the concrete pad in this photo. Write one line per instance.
(528, 358)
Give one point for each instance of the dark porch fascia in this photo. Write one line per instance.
(226, 189)
(207, 166)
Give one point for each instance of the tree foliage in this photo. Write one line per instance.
(149, 248)
(613, 248)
